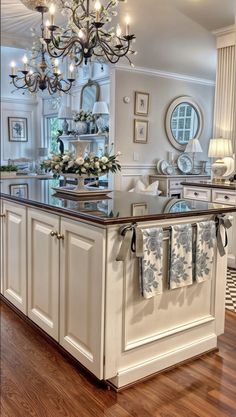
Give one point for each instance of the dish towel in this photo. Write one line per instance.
(180, 274)
(205, 245)
(151, 262)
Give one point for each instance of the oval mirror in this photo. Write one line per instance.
(89, 95)
(183, 122)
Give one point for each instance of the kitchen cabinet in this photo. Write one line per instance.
(82, 281)
(43, 270)
(217, 195)
(14, 270)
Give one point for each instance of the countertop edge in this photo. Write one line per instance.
(115, 221)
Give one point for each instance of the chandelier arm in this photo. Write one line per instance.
(105, 46)
(63, 50)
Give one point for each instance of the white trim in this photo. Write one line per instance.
(224, 31)
(165, 74)
(147, 368)
(17, 100)
(138, 166)
(225, 37)
(178, 329)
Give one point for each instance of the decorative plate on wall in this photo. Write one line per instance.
(185, 163)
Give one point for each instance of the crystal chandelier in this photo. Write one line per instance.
(86, 37)
(41, 77)
(35, 4)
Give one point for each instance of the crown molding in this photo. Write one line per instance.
(165, 74)
(16, 100)
(225, 36)
(227, 30)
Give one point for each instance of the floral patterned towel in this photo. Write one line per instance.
(151, 263)
(180, 274)
(205, 245)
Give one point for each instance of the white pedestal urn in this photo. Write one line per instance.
(80, 148)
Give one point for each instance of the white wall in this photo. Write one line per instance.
(17, 105)
(162, 91)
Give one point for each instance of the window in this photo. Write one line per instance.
(52, 125)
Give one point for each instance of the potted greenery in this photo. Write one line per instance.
(82, 120)
(8, 170)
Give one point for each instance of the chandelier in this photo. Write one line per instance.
(86, 37)
(41, 77)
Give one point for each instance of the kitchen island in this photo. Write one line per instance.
(60, 270)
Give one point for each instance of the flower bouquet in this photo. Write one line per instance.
(82, 120)
(71, 165)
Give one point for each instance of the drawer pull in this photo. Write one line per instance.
(3, 215)
(196, 194)
(60, 237)
(226, 197)
(52, 233)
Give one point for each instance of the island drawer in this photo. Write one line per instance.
(195, 193)
(224, 197)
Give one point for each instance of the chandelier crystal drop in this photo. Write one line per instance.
(88, 35)
(44, 76)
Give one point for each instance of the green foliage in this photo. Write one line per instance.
(8, 168)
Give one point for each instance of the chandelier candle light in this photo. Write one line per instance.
(86, 36)
(41, 77)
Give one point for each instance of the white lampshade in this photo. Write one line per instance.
(100, 107)
(193, 146)
(65, 112)
(220, 148)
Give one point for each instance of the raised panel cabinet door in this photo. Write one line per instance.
(43, 270)
(82, 277)
(14, 255)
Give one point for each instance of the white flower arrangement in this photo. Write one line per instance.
(90, 165)
(83, 116)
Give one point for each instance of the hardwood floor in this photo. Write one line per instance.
(37, 381)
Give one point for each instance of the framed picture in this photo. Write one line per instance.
(140, 131)
(139, 209)
(19, 190)
(141, 106)
(18, 129)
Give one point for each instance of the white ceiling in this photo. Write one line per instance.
(172, 35)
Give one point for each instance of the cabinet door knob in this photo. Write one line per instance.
(60, 236)
(52, 233)
(226, 197)
(196, 194)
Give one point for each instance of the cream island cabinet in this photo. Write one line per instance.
(60, 270)
(222, 193)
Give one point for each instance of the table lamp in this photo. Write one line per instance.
(219, 148)
(193, 147)
(65, 113)
(100, 109)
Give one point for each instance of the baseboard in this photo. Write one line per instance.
(143, 370)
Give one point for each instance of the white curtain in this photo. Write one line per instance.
(225, 97)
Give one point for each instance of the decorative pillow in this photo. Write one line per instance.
(141, 188)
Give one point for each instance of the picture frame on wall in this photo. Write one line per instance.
(17, 129)
(139, 209)
(141, 131)
(141, 106)
(19, 190)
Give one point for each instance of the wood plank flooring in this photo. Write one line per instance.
(37, 381)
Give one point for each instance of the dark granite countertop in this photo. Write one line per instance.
(231, 186)
(117, 208)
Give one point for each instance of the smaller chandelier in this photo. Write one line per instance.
(41, 77)
(86, 35)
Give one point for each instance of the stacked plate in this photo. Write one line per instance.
(164, 168)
